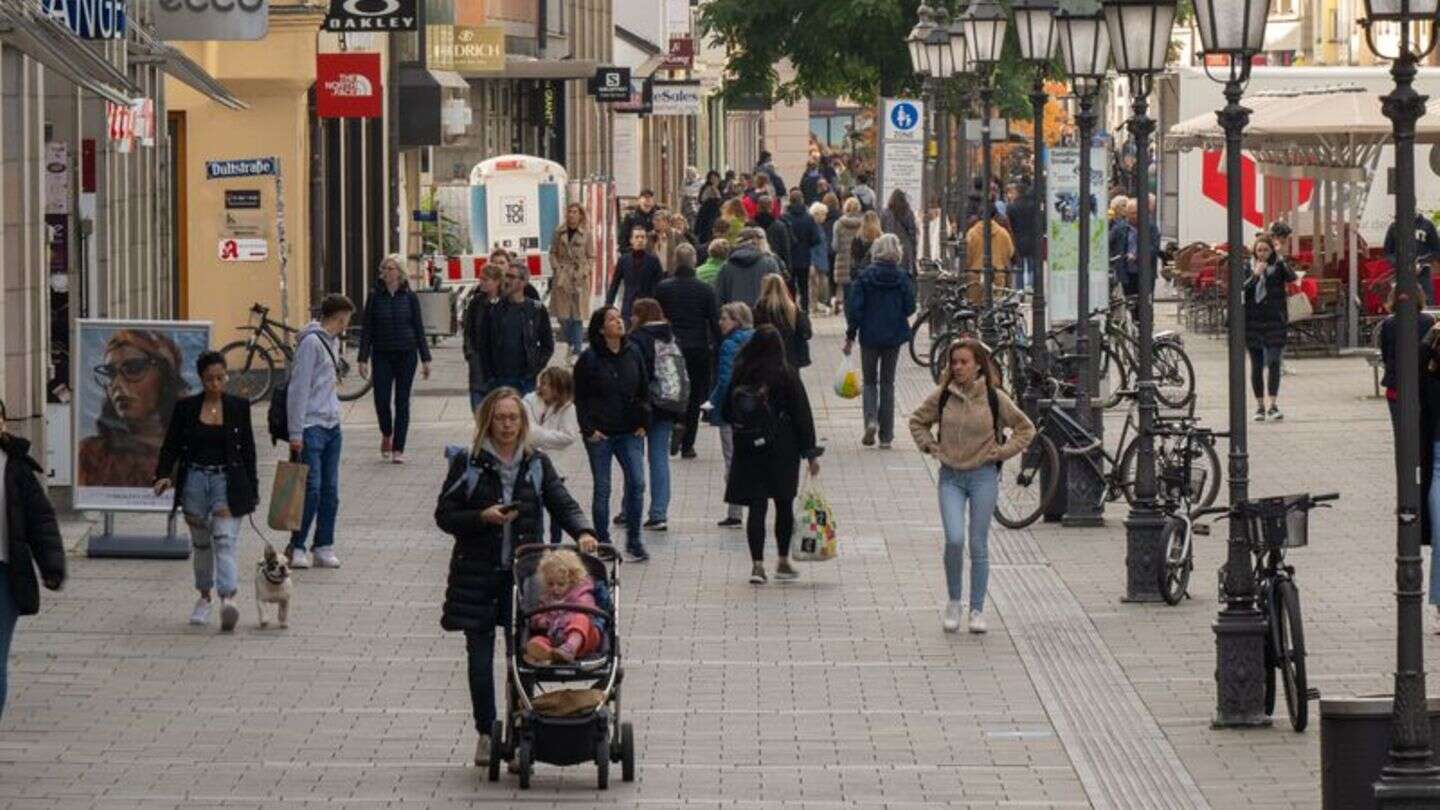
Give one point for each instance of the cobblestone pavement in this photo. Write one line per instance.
(839, 690)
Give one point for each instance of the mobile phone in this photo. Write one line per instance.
(508, 508)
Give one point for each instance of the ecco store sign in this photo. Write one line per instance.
(89, 19)
(181, 20)
(371, 15)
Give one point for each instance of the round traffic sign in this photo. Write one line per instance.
(904, 116)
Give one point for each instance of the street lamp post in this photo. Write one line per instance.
(1236, 29)
(1085, 50)
(1035, 29)
(1409, 779)
(944, 60)
(1139, 39)
(985, 23)
(918, 43)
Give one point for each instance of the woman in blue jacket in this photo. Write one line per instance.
(878, 309)
(737, 324)
(393, 336)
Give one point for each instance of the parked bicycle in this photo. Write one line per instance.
(1171, 368)
(1271, 526)
(1182, 486)
(251, 362)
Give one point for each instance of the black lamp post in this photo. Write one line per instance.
(946, 52)
(1236, 29)
(1409, 778)
(918, 43)
(1035, 30)
(1139, 39)
(985, 23)
(1085, 50)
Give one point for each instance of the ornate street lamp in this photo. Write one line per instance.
(1085, 51)
(1035, 29)
(1409, 778)
(944, 61)
(1139, 39)
(919, 35)
(919, 44)
(985, 23)
(1236, 29)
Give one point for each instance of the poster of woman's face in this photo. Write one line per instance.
(128, 377)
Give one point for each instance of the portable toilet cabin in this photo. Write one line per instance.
(516, 203)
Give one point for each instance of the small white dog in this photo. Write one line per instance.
(272, 585)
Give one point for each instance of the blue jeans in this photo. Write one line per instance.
(978, 489)
(629, 450)
(394, 375)
(9, 615)
(213, 536)
(657, 448)
(321, 453)
(570, 328)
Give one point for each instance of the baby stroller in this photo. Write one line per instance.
(587, 726)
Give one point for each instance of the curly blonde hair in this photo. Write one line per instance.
(562, 565)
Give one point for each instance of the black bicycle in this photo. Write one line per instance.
(251, 362)
(1271, 526)
(1181, 486)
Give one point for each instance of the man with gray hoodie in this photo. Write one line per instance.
(312, 408)
(739, 279)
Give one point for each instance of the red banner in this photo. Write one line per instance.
(347, 85)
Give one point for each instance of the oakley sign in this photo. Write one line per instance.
(371, 15)
(188, 20)
(89, 19)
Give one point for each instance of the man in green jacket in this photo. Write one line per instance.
(717, 252)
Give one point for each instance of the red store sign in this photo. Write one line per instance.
(347, 85)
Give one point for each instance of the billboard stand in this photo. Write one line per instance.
(135, 546)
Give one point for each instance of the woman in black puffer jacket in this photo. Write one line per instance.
(1267, 321)
(392, 335)
(496, 473)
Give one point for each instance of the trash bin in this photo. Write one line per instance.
(1354, 742)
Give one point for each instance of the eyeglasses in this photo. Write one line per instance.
(132, 370)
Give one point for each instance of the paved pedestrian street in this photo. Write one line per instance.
(839, 690)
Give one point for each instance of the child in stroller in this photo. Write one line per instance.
(562, 636)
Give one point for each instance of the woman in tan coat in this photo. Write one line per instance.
(963, 424)
(572, 260)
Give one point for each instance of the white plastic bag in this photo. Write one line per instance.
(818, 540)
(847, 378)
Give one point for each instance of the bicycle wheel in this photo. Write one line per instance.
(1125, 469)
(1011, 363)
(1114, 377)
(250, 370)
(350, 386)
(1213, 472)
(1289, 638)
(1177, 563)
(922, 338)
(1174, 375)
(1028, 484)
(939, 356)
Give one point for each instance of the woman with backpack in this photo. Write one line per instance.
(962, 424)
(669, 394)
(737, 326)
(776, 308)
(773, 429)
(612, 405)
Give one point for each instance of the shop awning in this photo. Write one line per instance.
(58, 49)
(451, 79)
(186, 70)
(521, 67)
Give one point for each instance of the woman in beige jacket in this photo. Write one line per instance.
(963, 424)
(572, 260)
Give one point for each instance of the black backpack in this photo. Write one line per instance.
(990, 398)
(278, 416)
(752, 421)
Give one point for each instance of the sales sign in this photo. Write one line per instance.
(611, 84)
(89, 19)
(371, 15)
(347, 85)
(675, 98)
(248, 167)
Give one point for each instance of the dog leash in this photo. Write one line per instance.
(263, 538)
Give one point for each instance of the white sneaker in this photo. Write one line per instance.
(325, 558)
(482, 751)
(299, 558)
(977, 622)
(201, 613)
(953, 612)
(229, 615)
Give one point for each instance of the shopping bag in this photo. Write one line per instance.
(287, 496)
(1298, 307)
(818, 540)
(847, 378)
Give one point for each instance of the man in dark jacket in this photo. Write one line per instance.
(1427, 250)
(640, 272)
(520, 340)
(694, 314)
(473, 330)
(29, 537)
(1024, 214)
(805, 235)
(878, 309)
(642, 216)
(810, 181)
(776, 232)
(766, 165)
(739, 279)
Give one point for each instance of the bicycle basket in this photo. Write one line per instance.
(1171, 478)
(1276, 522)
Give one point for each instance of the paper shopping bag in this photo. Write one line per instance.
(287, 496)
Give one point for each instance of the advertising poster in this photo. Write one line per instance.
(1063, 181)
(128, 377)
